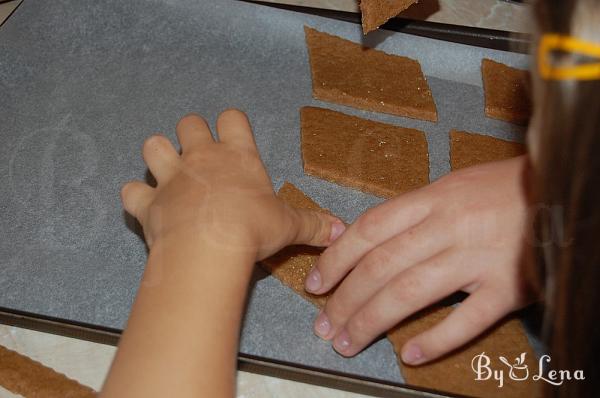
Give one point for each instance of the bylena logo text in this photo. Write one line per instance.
(519, 371)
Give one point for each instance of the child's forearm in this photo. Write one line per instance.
(181, 338)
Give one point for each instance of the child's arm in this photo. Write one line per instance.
(212, 215)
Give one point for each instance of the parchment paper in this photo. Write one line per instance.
(83, 83)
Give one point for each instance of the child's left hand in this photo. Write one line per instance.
(219, 191)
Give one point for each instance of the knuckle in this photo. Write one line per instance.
(319, 228)
(369, 224)
(336, 310)
(126, 190)
(376, 263)
(404, 289)
(453, 182)
(194, 158)
(363, 322)
(479, 316)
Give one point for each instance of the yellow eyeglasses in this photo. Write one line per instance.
(555, 42)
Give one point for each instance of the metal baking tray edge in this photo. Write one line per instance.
(472, 36)
(246, 363)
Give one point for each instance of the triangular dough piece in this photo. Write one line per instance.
(377, 12)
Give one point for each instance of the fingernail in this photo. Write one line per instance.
(322, 325)
(313, 280)
(412, 355)
(337, 229)
(342, 342)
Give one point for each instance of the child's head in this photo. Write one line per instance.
(564, 139)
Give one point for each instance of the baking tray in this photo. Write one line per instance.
(84, 83)
(472, 36)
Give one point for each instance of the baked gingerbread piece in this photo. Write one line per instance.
(507, 92)
(26, 377)
(469, 149)
(292, 264)
(347, 73)
(453, 373)
(377, 12)
(373, 157)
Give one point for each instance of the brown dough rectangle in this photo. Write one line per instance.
(453, 373)
(292, 264)
(374, 157)
(507, 92)
(24, 376)
(469, 149)
(377, 12)
(347, 73)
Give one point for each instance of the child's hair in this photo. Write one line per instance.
(566, 177)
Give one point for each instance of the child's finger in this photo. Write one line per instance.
(160, 156)
(372, 229)
(136, 197)
(410, 291)
(316, 229)
(472, 317)
(234, 129)
(192, 131)
(380, 266)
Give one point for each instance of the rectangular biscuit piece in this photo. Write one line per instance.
(469, 149)
(292, 264)
(507, 92)
(24, 376)
(349, 74)
(377, 12)
(373, 157)
(453, 373)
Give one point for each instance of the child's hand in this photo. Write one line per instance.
(464, 232)
(218, 191)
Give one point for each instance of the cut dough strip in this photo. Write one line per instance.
(468, 149)
(347, 73)
(507, 92)
(377, 12)
(373, 157)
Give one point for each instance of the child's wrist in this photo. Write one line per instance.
(216, 239)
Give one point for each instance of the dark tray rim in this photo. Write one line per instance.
(246, 362)
(472, 36)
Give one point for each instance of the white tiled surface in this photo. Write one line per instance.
(88, 363)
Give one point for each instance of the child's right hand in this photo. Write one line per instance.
(464, 232)
(219, 192)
